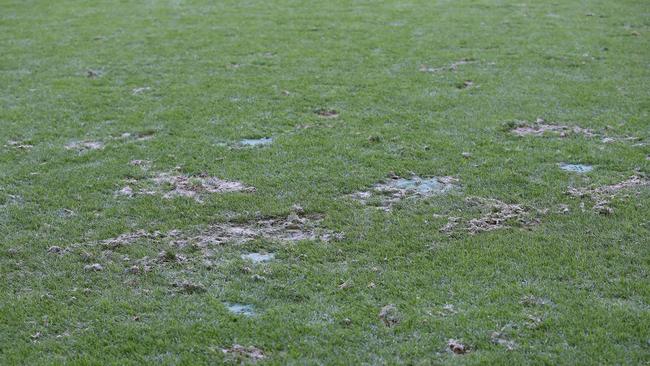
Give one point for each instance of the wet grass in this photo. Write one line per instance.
(350, 92)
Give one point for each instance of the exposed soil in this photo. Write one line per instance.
(494, 215)
(385, 194)
(171, 185)
(603, 195)
(541, 127)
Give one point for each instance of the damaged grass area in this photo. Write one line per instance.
(204, 243)
(385, 195)
(603, 195)
(494, 215)
(171, 185)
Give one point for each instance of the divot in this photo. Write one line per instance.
(327, 113)
(250, 353)
(396, 189)
(541, 127)
(82, 146)
(171, 185)
(19, 145)
(604, 194)
(256, 142)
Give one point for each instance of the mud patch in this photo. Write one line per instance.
(541, 127)
(171, 185)
(240, 309)
(389, 315)
(81, 146)
(327, 113)
(258, 257)
(256, 142)
(494, 215)
(602, 196)
(576, 168)
(244, 353)
(384, 195)
(457, 347)
(19, 145)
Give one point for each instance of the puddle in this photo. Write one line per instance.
(396, 189)
(240, 309)
(258, 257)
(173, 185)
(256, 142)
(576, 168)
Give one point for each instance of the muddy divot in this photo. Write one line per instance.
(540, 127)
(395, 189)
(82, 146)
(603, 195)
(171, 185)
(494, 215)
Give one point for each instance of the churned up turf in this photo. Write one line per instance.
(333, 182)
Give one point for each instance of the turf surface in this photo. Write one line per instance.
(349, 92)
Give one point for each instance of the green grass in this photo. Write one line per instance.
(218, 72)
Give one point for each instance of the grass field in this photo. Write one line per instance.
(132, 215)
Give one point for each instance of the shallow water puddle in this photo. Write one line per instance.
(258, 257)
(576, 168)
(240, 309)
(396, 189)
(256, 142)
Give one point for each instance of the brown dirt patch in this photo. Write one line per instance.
(171, 185)
(250, 353)
(495, 215)
(603, 195)
(541, 127)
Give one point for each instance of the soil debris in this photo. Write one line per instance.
(129, 238)
(20, 145)
(82, 146)
(457, 347)
(384, 195)
(541, 127)
(327, 113)
(251, 353)
(604, 194)
(55, 250)
(189, 287)
(171, 185)
(390, 315)
(500, 338)
(494, 215)
(497, 215)
(95, 267)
